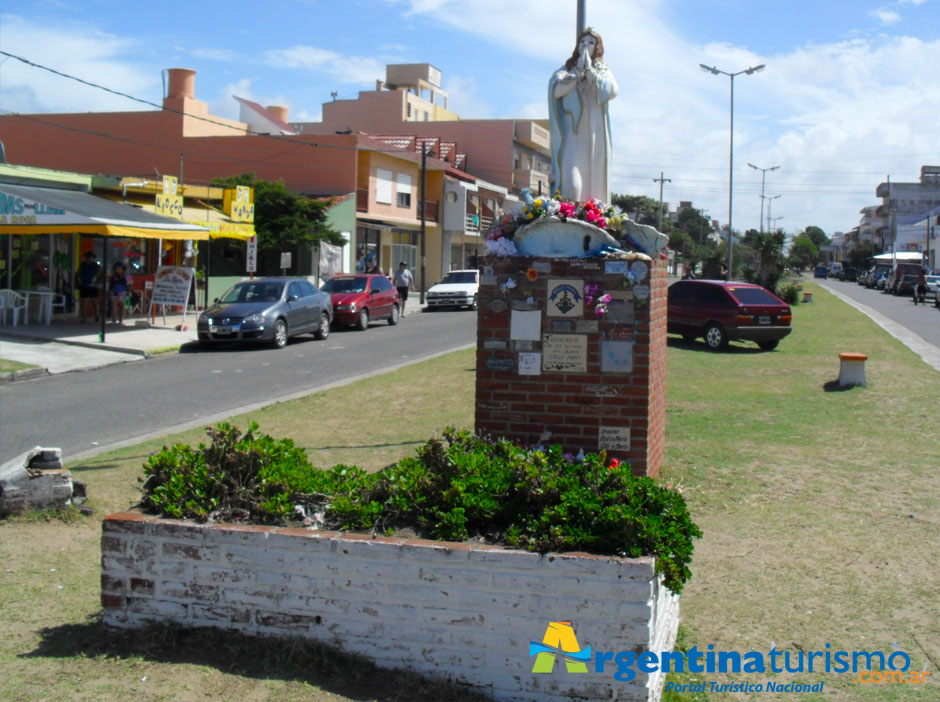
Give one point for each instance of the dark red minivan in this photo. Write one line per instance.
(720, 312)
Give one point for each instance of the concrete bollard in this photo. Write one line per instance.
(807, 296)
(852, 369)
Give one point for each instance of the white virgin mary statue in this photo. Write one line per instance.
(578, 94)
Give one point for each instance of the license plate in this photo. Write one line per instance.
(220, 330)
(763, 319)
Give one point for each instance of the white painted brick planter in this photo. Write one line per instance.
(456, 611)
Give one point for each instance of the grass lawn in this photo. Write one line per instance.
(7, 366)
(820, 508)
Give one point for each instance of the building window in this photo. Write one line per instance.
(383, 186)
(403, 192)
(409, 109)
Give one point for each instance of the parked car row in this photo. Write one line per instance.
(899, 280)
(720, 311)
(273, 310)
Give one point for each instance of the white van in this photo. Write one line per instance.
(835, 270)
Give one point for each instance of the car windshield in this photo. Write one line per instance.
(753, 296)
(461, 277)
(253, 292)
(345, 285)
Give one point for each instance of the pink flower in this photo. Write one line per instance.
(602, 223)
(591, 289)
(603, 299)
(591, 216)
(588, 299)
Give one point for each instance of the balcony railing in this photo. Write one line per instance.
(477, 223)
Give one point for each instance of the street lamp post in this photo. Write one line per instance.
(715, 71)
(770, 202)
(763, 174)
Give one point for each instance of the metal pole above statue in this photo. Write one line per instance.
(581, 24)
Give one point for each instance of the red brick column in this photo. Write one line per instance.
(577, 405)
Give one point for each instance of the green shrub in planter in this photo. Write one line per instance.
(789, 293)
(455, 488)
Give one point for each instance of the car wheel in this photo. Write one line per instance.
(715, 337)
(394, 316)
(324, 330)
(768, 345)
(280, 334)
(363, 322)
(473, 305)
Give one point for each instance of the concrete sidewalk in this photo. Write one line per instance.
(67, 345)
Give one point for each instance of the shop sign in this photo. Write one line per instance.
(20, 210)
(169, 206)
(237, 204)
(171, 285)
(252, 255)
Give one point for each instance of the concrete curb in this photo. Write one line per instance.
(24, 374)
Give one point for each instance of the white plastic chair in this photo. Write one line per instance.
(11, 301)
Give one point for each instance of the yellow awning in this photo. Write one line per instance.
(34, 210)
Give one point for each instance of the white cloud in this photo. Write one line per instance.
(464, 97)
(78, 49)
(345, 69)
(885, 16)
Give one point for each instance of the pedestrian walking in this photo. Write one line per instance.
(88, 277)
(920, 288)
(404, 282)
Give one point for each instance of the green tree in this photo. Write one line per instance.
(694, 224)
(817, 236)
(644, 210)
(283, 219)
(803, 252)
(860, 254)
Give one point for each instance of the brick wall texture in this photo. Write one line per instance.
(455, 611)
(573, 406)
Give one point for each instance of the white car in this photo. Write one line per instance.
(933, 287)
(458, 289)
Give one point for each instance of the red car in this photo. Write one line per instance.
(360, 299)
(721, 312)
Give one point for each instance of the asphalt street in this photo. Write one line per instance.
(923, 320)
(83, 413)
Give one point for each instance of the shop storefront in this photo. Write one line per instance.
(46, 232)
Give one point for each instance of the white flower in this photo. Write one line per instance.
(501, 247)
(508, 285)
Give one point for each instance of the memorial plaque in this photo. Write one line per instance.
(564, 353)
(642, 292)
(495, 344)
(620, 311)
(620, 334)
(488, 279)
(639, 270)
(506, 365)
(617, 356)
(498, 306)
(525, 325)
(585, 326)
(620, 294)
(530, 363)
(619, 267)
(529, 304)
(613, 438)
(524, 345)
(562, 325)
(542, 266)
(565, 298)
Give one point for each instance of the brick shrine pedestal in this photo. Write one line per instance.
(548, 362)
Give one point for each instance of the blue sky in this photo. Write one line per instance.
(849, 94)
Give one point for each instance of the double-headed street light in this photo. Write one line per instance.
(716, 71)
(763, 174)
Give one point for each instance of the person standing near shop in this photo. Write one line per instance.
(89, 276)
(404, 282)
(118, 288)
